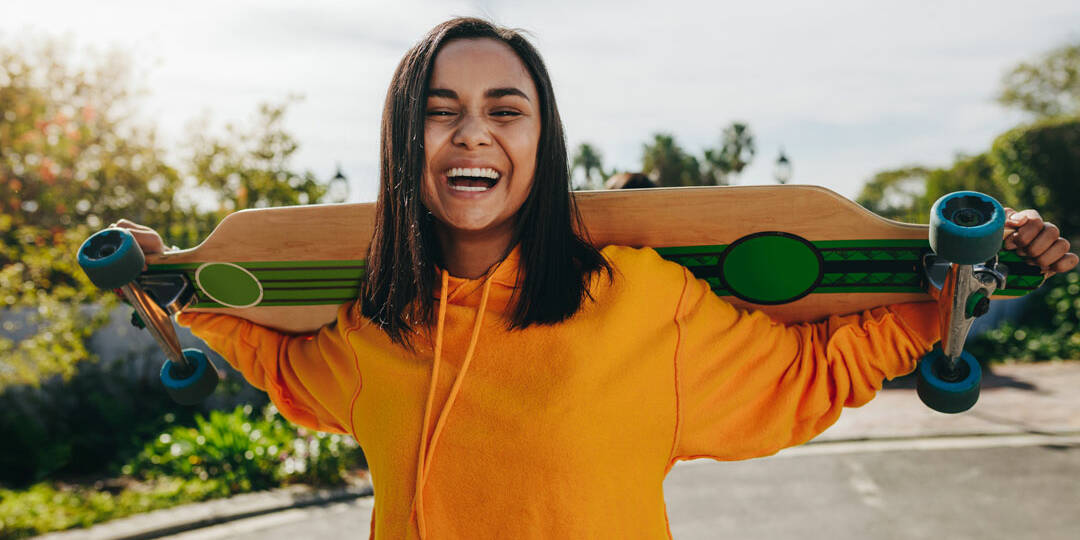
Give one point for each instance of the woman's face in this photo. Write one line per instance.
(480, 137)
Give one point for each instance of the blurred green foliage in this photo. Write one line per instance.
(46, 508)
(590, 161)
(73, 160)
(1038, 166)
(248, 452)
(91, 424)
(248, 166)
(907, 193)
(55, 305)
(669, 165)
(69, 152)
(736, 151)
(1049, 329)
(1047, 87)
(1032, 166)
(223, 454)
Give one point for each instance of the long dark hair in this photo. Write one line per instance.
(557, 264)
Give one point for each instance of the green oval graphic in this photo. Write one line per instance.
(771, 268)
(229, 284)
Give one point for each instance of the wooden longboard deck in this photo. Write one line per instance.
(799, 253)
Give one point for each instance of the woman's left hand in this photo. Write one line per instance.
(1038, 241)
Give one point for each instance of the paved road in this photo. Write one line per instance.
(1008, 487)
(959, 493)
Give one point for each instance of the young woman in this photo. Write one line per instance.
(505, 378)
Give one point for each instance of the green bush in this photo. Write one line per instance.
(44, 508)
(90, 425)
(248, 454)
(1049, 328)
(1037, 166)
(223, 455)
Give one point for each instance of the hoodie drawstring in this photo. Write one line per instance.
(423, 464)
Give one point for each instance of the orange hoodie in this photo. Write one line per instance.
(567, 431)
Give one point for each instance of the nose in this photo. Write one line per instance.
(472, 132)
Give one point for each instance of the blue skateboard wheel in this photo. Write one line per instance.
(948, 393)
(192, 387)
(966, 227)
(111, 258)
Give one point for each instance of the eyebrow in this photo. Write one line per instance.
(491, 93)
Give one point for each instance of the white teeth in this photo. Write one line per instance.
(478, 173)
(468, 188)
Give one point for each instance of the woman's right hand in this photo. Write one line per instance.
(148, 239)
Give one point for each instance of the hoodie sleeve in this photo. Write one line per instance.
(749, 386)
(311, 378)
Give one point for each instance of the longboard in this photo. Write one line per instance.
(796, 252)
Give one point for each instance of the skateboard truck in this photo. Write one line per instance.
(962, 274)
(966, 290)
(144, 295)
(112, 260)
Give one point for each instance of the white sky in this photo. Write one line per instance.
(847, 88)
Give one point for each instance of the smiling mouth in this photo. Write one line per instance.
(472, 179)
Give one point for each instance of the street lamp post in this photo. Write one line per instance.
(783, 168)
(338, 189)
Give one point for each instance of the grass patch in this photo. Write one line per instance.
(46, 507)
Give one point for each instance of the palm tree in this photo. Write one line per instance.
(589, 159)
(736, 152)
(668, 164)
(738, 146)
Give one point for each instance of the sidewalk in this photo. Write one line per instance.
(1019, 399)
(205, 514)
(1015, 399)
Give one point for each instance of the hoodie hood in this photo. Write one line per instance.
(468, 292)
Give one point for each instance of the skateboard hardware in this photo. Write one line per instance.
(157, 322)
(966, 230)
(967, 290)
(156, 297)
(113, 260)
(171, 291)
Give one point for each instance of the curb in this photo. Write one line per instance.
(188, 517)
(959, 441)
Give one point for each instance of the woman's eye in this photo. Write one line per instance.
(506, 114)
(439, 113)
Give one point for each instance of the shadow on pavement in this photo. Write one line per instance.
(990, 380)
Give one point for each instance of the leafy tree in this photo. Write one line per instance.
(1048, 87)
(906, 194)
(1048, 328)
(73, 160)
(671, 166)
(736, 151)
(70, 162)
(1033, 166)
(69, 153)
(1038, 166)
(893, 193)
(43, 292)
(589, 160)
(668, 164)
(250, 167)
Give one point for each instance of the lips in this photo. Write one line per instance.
(472, 179)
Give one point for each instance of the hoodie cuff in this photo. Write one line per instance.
(922, 318)
(189, 319)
